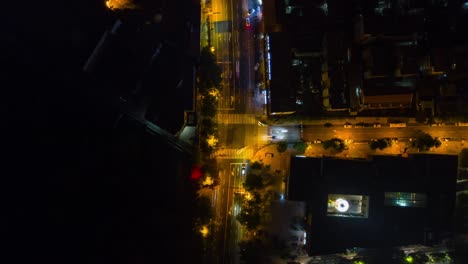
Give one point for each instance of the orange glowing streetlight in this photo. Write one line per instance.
(120, 4)
(212, 140)
(204, 231)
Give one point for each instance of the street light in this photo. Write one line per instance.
(120, 4)
(204, 231)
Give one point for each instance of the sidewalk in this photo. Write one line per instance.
(362, 150)
(269, 155)
(279, 163)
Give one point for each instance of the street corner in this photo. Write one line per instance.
(314, 150)
(268, 155)
(258, 155)
(263, 153)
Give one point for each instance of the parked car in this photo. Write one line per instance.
(438, 124)
(397, 124)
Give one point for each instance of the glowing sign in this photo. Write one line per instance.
(341, 205)
(268, 57)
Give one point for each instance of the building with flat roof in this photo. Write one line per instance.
(382, 202)
(281, 95)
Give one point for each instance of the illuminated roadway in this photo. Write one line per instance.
(237, 123)
(237, 126)
(224, 39)
(313, 132)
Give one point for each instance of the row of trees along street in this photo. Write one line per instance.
(261, 186)
(423, 142)
(207, 83)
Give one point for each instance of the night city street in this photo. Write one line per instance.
(295, 131)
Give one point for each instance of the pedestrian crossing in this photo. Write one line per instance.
(246, 119)
(257, 138)
(243, 153)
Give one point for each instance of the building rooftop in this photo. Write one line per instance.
(383, 201)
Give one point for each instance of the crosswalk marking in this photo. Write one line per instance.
(236, 119)
(244, 153)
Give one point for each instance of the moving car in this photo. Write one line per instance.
(247, 22)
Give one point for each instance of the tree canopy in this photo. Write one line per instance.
(204, 211)
(253, 181)
(300, 146)
(336, 144)
(209, 73)
(208, 107)
(282, 146)
(380, 143)
(425, 141)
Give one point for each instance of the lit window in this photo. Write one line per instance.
(404, 199)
